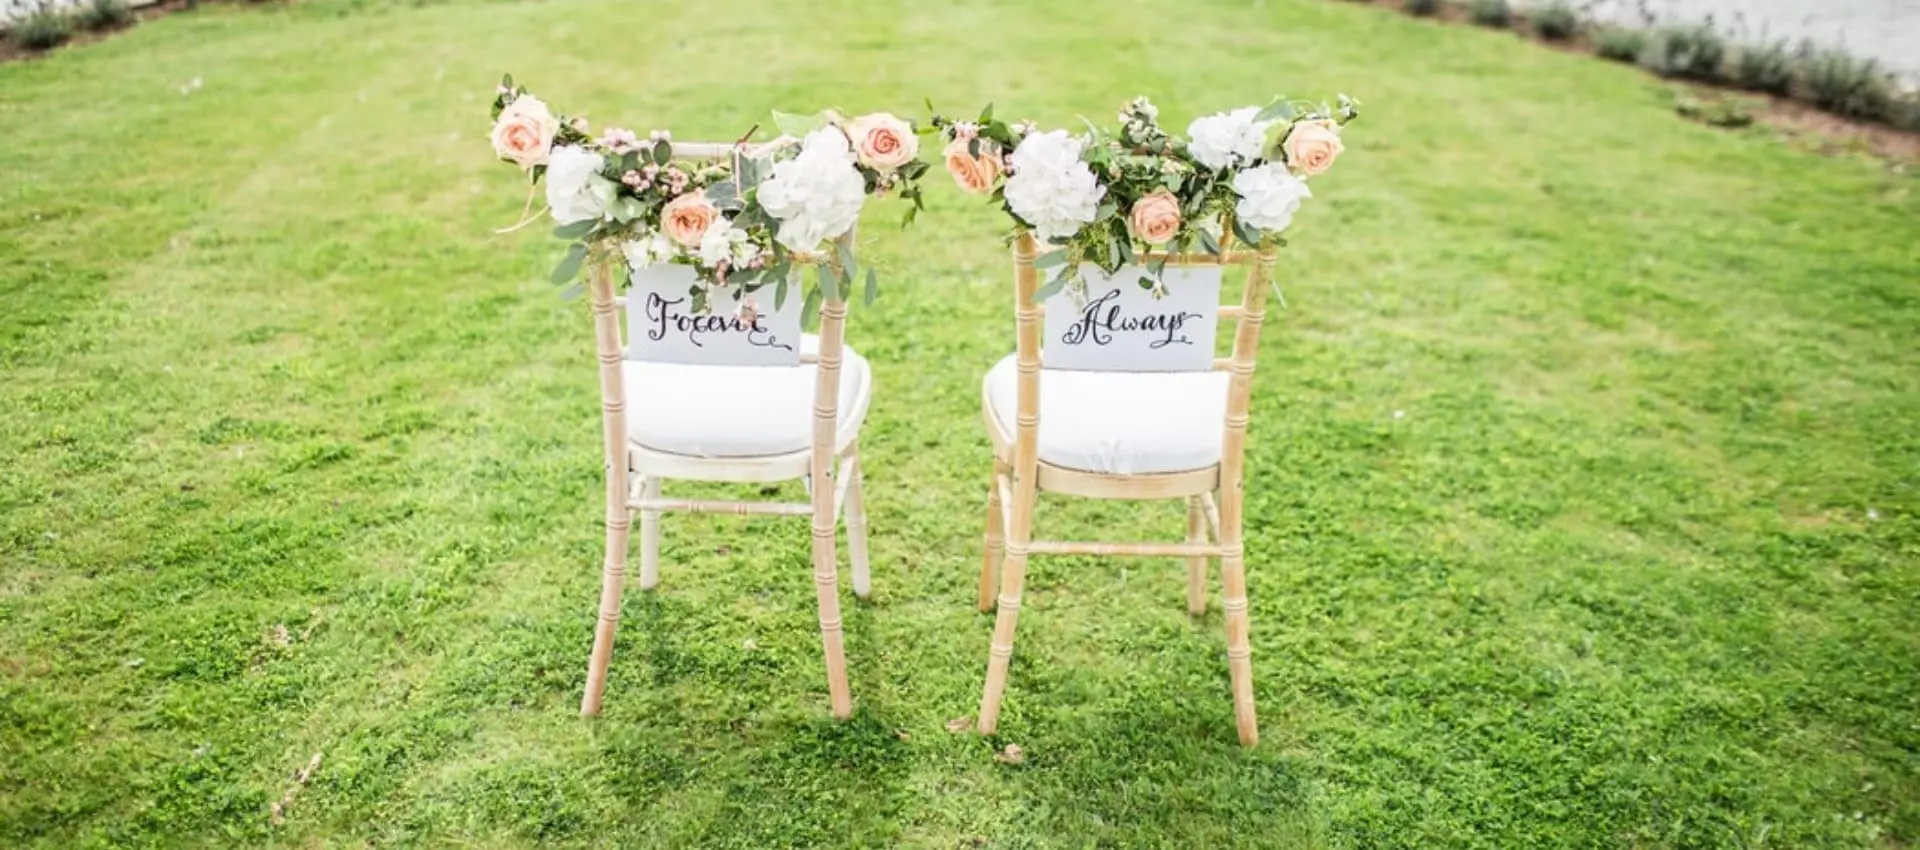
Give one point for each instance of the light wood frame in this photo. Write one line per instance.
(635, 474)
(1213, 525)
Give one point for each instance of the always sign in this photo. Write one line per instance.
(663, 327)
(1121, 327)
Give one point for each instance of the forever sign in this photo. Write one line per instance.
(664, 327)
(1121, 327)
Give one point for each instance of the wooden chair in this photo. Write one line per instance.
(1028, 460)
(802, 420)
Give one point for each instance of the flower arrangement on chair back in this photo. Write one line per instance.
(745, 217)
(1111, 198)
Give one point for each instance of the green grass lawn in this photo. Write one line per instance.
(1583, 502)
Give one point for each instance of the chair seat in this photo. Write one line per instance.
(1120, 423)
(739, 411)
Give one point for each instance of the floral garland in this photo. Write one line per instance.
(751, 220)
(1110, 198)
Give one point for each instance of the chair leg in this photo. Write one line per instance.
(826, 580)
(612, 577)
(1233, 575)
(1196, 567)
(1013, 578)
(650, 537)
(856, 511)
(996, 537)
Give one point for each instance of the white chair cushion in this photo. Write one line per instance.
(1122, 423)
(739, 411)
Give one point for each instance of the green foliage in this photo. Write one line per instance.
(1906, 112)
(42, 29)
(1713, 111)
(1422, 8)
(1581, 505)
(106, 14)
(1693, 51)
(1846, 85)
(1766, 67)
(1619, 43)
(1491, 13)
(1556, 20)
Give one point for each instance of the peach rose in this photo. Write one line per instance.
(524, 133)
(975, 174)
(685, 219)
(883, 142)
(1155, 218)
(1312, 146)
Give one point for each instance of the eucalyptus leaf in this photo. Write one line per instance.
(569, 266)
(572, 292)
(780, 294)
(575, 230)
(1050, 288)
(1279, 110)
(844, 253)
(1246, 234)
(798, 126)
(626, 208)
(1050, 259)
(662, 152)
(873, 286)
(1209, 244)
(810, 311)
(824, 282)
(724, 196)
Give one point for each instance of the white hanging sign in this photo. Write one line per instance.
(663, 327)
(1121, 327)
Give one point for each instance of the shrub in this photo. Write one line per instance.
(1764, 67)
(1906, 112)
(42, 29)
(1840, 83)
(1491, 13)
(1621, 44)
(1422, 8)
(107, 14)
(1694, 52)
(1556, 21)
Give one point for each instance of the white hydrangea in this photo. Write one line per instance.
(649, 249)
(724, 242)
(1269, 196)
(1228, 139)
(575, 189)
(817, 195)
(1050, 188)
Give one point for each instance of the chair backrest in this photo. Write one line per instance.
(1143, 333)
(716, 338)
